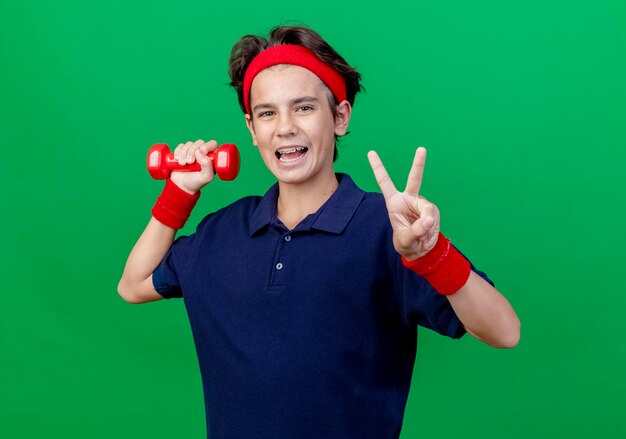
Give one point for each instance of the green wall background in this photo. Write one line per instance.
(520, 104)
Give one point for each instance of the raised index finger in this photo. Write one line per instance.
(414, 182)
(382, 177)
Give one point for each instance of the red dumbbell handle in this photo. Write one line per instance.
(161, 162)
(173, 165)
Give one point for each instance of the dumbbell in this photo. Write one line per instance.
(161, 162)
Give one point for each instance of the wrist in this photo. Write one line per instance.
(410, 257)
(175, 178)
(174, 205)
(443, 267)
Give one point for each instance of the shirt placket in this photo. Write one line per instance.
(280, 264)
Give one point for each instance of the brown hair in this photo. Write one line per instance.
(249, 46)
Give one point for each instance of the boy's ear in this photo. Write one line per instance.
(250, 126)
(344, 112)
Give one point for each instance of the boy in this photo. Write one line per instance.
(304, 303)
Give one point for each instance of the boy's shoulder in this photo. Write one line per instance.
(373, 203)
(239, 211)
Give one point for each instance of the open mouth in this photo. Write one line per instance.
(291, 154)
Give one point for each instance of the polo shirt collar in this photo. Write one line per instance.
(333, 216)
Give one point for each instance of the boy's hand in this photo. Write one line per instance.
(188, 153)
(415, 221)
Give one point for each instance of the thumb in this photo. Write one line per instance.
(421, 227)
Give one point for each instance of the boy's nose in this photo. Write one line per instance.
(286, 125)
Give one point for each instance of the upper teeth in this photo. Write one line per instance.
(289, 150)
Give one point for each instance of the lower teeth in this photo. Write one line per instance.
(286, 160)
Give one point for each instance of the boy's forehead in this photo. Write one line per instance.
(285, 81)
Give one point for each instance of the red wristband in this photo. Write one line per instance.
(443, 267)
(174, 205)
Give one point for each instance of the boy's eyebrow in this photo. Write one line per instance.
(303, 99)
(294, 101)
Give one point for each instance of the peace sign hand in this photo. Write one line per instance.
(415, 220)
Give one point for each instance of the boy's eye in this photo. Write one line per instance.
(305, 107)
(265, 113)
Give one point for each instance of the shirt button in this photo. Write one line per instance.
(279, 266)
(288, 238)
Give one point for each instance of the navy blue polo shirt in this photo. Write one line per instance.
(303, 333)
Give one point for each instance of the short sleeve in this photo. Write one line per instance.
(165, 277)
(425, 307)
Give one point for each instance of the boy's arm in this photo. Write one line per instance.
(136, 283)
(136, 286)
(484, 312)
(491, 317)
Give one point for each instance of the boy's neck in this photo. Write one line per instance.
(297, 201)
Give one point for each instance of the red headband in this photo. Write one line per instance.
(297, 56)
